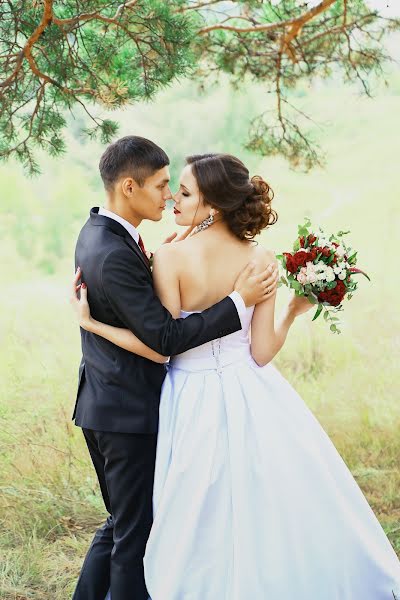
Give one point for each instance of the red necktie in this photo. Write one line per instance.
(149, 255)
(141, 245)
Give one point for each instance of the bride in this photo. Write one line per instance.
(251, 499)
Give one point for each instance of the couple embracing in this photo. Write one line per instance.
(218, 481)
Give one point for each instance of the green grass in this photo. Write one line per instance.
(49, 501)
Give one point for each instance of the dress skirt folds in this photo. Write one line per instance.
(251, 499)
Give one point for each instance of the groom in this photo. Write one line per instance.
(118, 392)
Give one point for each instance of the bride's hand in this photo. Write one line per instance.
(80, 305)
(299, 305)
(174, 237)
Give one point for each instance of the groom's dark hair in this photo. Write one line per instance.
(131, 156)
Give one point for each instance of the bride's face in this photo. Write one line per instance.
(189, 207)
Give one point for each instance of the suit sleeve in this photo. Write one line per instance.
(129, 289)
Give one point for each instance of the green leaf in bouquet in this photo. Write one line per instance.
(330, 258)
(342, 233)
(319, 311)
(326, 315)
(303, 231)
(296, 246)
(349, 296)
(334, 328)
(296, 285)
(279, 256)
(352, 259)
(283, 280)
(318, 256)
(312, 298)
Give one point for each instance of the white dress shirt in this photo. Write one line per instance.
(128, 226)
(235, 296)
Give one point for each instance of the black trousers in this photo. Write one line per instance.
(124, 464)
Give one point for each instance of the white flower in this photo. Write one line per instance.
(311, 278)
(302, 278)
(337, 269)
(329, 275)
(340, 251)
(342, 275)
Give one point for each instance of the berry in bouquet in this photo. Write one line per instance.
(322, 268)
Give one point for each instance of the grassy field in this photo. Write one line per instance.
(49, 501)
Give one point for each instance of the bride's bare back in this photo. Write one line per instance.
(208, 264)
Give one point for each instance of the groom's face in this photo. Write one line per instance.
(149, 200)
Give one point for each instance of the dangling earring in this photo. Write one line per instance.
(204, 224)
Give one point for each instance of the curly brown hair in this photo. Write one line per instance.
(224, 183)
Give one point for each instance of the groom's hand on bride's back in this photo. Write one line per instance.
(255, 287)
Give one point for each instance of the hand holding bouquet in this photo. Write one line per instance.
(321, 268)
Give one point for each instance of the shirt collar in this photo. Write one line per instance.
(128, 226)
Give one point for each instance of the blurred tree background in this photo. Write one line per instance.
(56, 56)
(48, 493)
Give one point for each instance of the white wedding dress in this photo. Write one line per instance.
(251, 499)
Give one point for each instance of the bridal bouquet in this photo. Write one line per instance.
(323, 269)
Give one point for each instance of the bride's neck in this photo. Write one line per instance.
(219, 227)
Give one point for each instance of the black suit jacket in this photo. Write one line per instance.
(118, 390)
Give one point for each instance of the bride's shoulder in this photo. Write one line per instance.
(168, 256)
(262, 256)
(170, 249)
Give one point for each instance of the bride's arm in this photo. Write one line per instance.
(166, 284)
(268, 337)
(124, 338)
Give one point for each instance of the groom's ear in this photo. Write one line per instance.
(129, 186)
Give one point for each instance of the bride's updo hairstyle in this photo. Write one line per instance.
(224, 183)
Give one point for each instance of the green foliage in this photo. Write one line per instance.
(57, 56)
(96, 61)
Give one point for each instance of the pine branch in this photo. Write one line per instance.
(55, 56)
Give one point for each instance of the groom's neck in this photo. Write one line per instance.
(122, 211)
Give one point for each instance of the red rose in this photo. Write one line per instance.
(324, 251)
(335, 296)
(301, 258)
(313, 254)
(301, 240)
(297, 260)
(311, 238)
(290, 264)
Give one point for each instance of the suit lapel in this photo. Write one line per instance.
(131, 242)
(103, 221)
